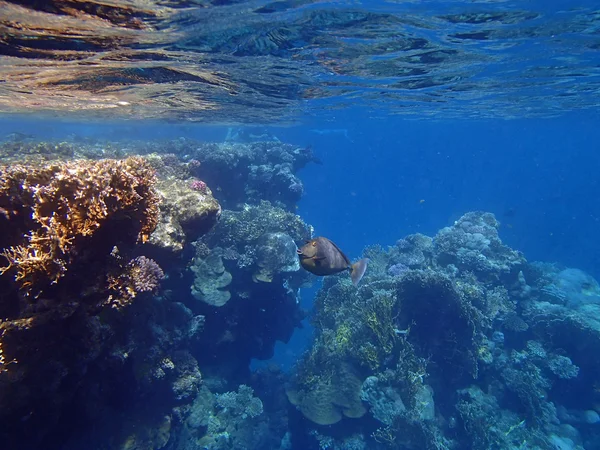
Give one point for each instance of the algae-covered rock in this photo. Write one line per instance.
(210, 280)
(327, 400)
(275, 253)
(185, 214)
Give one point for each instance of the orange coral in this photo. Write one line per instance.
(56, 206)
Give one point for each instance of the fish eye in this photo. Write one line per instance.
(314, 244)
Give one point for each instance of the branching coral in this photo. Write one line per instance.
(57, 206)
(141, 274)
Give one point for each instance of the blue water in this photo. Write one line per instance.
(503, 118)
(393, 177)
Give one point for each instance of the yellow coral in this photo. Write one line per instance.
(369, 356)
(57, 205)
(378, 315)
(342, 336)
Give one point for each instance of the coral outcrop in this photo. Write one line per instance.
(58, 207)
(185, 215)
(211, 280)
(247, 266)
(102, 253)
(458, 342)
(69, 232)
(472, 243)
(237, 172)
(242, 171)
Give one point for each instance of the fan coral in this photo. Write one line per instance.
(57, 206)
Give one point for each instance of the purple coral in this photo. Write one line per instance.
(397, 269)
(198, 185)
(145, 274)
(194, 164)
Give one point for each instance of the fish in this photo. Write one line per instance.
(322, 257)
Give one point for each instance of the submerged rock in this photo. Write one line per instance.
(211, 280)
(275, 253)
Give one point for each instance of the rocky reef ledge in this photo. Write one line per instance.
(131, 295)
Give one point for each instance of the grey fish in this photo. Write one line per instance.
(322, 257)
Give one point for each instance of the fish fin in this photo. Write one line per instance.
(358, 270)
(318, 258)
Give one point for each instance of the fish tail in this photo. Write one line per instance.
(358, 270)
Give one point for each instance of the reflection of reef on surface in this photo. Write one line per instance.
(190, 61)
(456, 342)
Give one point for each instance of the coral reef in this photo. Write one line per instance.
(60, 206)
(72, 268)
(458, 342)
(253, 166)
(132, 306)
(70, 229)
(239, 173)
(247, 267)
(84, 239)
(472, 243)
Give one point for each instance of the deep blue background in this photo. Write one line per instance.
(395, 177)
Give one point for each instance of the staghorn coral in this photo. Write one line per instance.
(56, 206)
